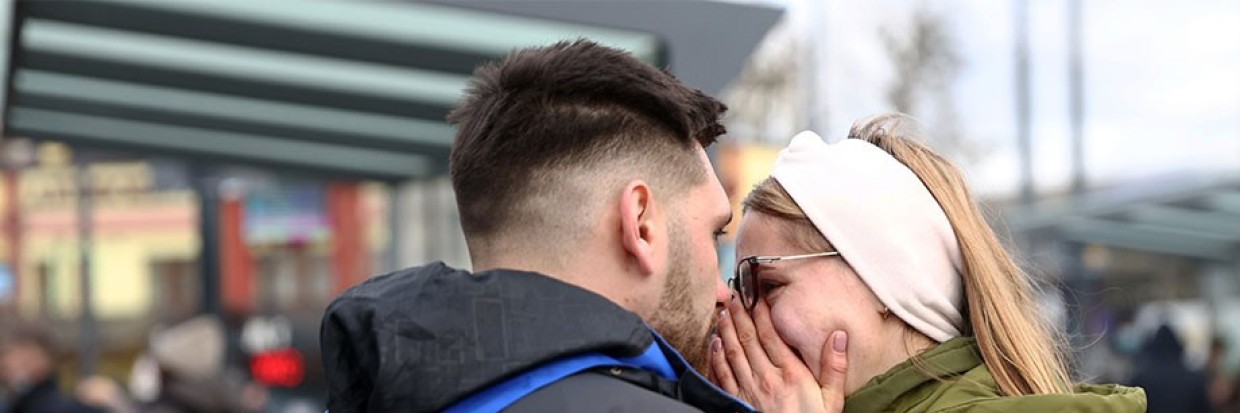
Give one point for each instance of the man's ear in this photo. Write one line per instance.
(637, 213)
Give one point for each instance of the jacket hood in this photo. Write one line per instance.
(423, 338)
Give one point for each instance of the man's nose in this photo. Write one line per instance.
(723, 294)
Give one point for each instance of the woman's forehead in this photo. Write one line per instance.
(758, 230)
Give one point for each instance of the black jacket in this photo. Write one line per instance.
(1169, 385)
(46, 398)
(424, 338)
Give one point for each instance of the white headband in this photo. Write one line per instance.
(884, 223)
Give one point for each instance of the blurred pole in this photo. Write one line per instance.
(235, 274)
(1084, 281)
(395, 227)
(88, 340)
(1076, 96)
(13, 230)
(348, 228)
(207, 189)
(815, 69)
(433, 218)
(1023, 103)
(18, 153)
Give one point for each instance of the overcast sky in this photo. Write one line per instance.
(1162, 82)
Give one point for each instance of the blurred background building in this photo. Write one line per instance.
(250, 160)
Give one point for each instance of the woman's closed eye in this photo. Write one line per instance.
(768, 286)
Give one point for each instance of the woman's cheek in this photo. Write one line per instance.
(797, 330)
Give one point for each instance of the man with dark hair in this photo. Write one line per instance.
(591, 212)
(28, 371)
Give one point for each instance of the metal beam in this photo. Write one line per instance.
(1228, 202)
(1146, 238)
(35, 101)
(142, 17)
(411, 134)
(154, 76)
(87, 129)
(239, 62)
(1209, 223)
(444, 27)
(342, 87)
(704, 56)
(1115, 201)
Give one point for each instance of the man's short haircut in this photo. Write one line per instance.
(545, 115)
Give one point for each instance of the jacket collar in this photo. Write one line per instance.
(953, 357)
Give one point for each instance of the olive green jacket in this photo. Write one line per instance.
(965, 385)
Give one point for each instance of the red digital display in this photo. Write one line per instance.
(278, 368)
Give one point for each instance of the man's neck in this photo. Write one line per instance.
(595, 279)
(520, 264)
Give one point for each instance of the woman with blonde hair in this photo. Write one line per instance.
(874, 245)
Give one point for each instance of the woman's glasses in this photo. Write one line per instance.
(745, 281)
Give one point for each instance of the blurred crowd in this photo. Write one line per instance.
(1158, 362)
(181, 372)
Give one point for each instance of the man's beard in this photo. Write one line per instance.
(682, 325)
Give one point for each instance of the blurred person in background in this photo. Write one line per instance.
(104, 393)
(1171, 385)
(28, 371)
(1102, 361)
(1109, 359)
(1223, 384)
(591, 213)
(878, 236)
(190, 358)
(254, 397)
(144, 379)
(1127, 342)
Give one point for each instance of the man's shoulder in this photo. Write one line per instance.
(593, 392)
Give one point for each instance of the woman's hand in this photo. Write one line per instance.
(751, 361)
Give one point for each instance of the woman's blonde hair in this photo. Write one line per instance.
(1021, 350)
